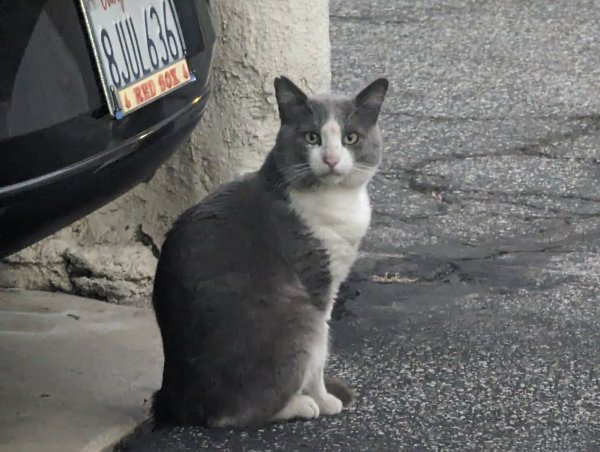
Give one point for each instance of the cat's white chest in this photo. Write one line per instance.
(339, 217)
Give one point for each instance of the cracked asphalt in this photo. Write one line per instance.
(473, 320)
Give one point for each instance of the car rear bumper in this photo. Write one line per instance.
(36, 208)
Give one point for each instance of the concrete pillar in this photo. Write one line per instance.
(111, 254)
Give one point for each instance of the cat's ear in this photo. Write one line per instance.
(368, 102)
(291, 100)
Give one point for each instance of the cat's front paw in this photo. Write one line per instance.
(299, 407)
(307, 407)
(330, 404)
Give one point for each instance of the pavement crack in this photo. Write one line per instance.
(437, 191)
(534, 193)
(447, 194)
(532, 149)
(523, 203)
(504, 250)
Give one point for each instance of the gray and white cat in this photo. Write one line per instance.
(247, 279)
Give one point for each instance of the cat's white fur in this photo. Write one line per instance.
(300, 406)
(339, 216)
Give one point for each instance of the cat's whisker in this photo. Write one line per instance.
(363, 165)
(293, 177)
(365, 170)
(299, 166)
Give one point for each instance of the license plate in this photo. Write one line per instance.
(139, 50)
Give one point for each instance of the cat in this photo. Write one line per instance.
(247, 279)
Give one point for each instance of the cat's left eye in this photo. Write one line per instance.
(350, 138)
(312, 138)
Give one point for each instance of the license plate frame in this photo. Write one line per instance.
(118, 25)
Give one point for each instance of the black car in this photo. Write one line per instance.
(94, 96)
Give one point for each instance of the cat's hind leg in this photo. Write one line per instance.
(300, 406)
(341, 390)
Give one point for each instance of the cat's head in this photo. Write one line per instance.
(328, 140)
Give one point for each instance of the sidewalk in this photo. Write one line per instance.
(75, 374)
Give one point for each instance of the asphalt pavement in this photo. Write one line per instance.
(473, 320)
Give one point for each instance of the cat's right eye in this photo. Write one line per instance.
(312, 138)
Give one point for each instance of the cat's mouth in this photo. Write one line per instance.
(331, 176)
(328, 172)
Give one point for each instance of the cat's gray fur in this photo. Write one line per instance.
(243, 288)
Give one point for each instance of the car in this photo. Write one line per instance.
(94, 96)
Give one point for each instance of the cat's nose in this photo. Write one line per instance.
(331, 160)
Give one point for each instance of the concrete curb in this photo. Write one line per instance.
(75, 374)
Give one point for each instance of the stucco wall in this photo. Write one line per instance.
(111, 254)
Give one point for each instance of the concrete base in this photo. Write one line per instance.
(75, 374)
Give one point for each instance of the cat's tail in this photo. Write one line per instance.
(341, 390)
